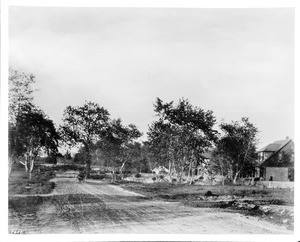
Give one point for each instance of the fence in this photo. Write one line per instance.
(277, 184)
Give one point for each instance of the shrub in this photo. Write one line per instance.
(98, 176)
(49, 160)
(154, 178)
(66, 167)
(138, 175)
(161, 176)
(52, 184)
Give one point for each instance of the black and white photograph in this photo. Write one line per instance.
(150, 120)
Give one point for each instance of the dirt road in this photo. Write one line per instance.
(97, 207)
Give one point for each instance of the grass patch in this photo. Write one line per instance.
(247, 200)
(185, 191)
(19, 182)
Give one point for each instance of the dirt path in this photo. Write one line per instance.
(97, 207)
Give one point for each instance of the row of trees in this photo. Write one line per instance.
(183, 133)
(91, 127)
(178, 138)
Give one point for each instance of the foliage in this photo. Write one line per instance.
(20, 91)
(146, 163)
(81, 156)
(49, 159)
(67, 155)
(138, 175)
(20, 94)
(181, 135)
(117, 148)
(219, 163)
(286, 158)
(281, 159)
(32, 133)
(66, 167)
(85, 125)
(236, 149)
(137, 158)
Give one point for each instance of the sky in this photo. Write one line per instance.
(235, 62)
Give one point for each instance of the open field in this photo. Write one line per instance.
(101, 207)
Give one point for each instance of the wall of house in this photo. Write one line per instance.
(264, 155)
(278, 173)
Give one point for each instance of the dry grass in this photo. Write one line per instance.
(19, 182)
(185, 192)
(247, 200)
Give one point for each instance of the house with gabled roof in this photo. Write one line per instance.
(276, 161)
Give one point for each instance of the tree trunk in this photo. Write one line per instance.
(88, 169)
(121, 169)
(88, 162)
(230, 174)
(181, 173)
(11, 161)
(223, 179)
(113, 176)
(25, 163)
(189, 171)
(170, 169)
(235, 177)
(30, 162)
(192, 177)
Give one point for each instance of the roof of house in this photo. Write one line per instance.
(275, 146)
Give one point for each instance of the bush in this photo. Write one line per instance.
(93, 172)
(161, 176)
(52, 184)
(98, 176)
(49, 160)
(66, 167)
(138, 175)
(154, 178)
